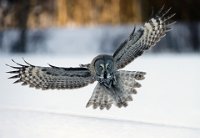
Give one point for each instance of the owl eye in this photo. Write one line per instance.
(100, 67)
(109, 66)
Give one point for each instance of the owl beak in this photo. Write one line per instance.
(105, 75)
(105, 79)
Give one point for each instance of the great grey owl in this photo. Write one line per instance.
(114, 85)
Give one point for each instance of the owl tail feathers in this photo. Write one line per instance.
(100, 98)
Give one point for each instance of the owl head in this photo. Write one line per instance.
(104, 69)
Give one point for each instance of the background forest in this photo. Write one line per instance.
(30, 25)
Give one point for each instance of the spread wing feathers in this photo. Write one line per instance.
(126, 86)
(51, 77)
(129, 80)
(118, 94)
(144, 38)
(100, 98)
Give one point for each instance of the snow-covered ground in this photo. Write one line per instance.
(167, 104)
(29, 124)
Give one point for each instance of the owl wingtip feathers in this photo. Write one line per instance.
(20, 65)
(17, 71)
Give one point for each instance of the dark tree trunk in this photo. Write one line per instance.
(22, 16)
(194, 36)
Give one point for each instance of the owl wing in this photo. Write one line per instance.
(143, 39)
(51, 77)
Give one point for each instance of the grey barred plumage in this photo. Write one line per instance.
(52, 77)
(119, 94)
(145, 38)
(114, 86)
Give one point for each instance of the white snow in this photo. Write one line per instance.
(167, 104)
(29, 124)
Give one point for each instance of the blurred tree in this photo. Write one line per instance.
(193, 27)
(28, 14)
(186, 10)
(130, 10)
(47, 13)
(1, 39)
(22, 17)
(61, 12)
